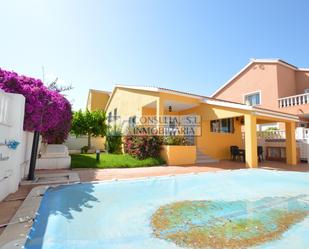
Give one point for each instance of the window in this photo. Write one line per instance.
(115, 114)
(132, 121)
(226, 125)
(222, 125)
(306, 90)
(253, 99)
(109, 117)
(215, 126)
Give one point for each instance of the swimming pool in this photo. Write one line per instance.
(227, 209)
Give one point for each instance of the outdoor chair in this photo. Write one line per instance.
(237, 154)
(234, 152)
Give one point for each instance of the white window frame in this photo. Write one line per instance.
(306, 90)
(253, 93)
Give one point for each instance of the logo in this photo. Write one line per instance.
(165, 125)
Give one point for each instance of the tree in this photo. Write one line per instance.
(92, 124)
(55, 87)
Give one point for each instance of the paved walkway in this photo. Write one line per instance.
(10, 204)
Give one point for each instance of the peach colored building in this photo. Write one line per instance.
(270, 83)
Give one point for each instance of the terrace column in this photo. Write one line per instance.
(251, 141)
(291, 157)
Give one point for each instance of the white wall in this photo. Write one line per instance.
(11, 127)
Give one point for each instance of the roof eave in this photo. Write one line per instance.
(280, 115)
(228, 104)
(231, 79)
(254, 110)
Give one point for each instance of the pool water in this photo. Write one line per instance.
(228, 209)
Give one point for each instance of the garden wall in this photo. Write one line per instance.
(76, 143)
(178, 155)
(13, 163)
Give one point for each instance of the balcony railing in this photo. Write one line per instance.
(300, 99)
(301, 133)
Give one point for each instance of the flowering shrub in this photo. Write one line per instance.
(143, 146)
(46, 111)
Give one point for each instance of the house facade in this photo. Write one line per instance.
(270, 83)
(97, 100)
(219, 124)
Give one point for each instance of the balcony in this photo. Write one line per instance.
(295, 100)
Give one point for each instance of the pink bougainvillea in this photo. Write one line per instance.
(46, 111)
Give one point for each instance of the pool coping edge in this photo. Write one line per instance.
(15, 235)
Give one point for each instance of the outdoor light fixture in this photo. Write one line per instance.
(170, 108)
(97, 152)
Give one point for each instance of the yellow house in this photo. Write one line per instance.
(220, 121)
(97, 100)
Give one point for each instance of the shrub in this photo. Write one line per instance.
(114, 140)
(175, 140)
(143, 146)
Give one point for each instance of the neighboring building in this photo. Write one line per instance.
(220, 123)
(97, 100)
(270, 83)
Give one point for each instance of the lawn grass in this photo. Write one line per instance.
(112, 161)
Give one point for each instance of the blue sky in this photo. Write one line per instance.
(187, 45)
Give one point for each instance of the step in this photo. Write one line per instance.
(203, 157)
(200, 153)
(206, 161)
